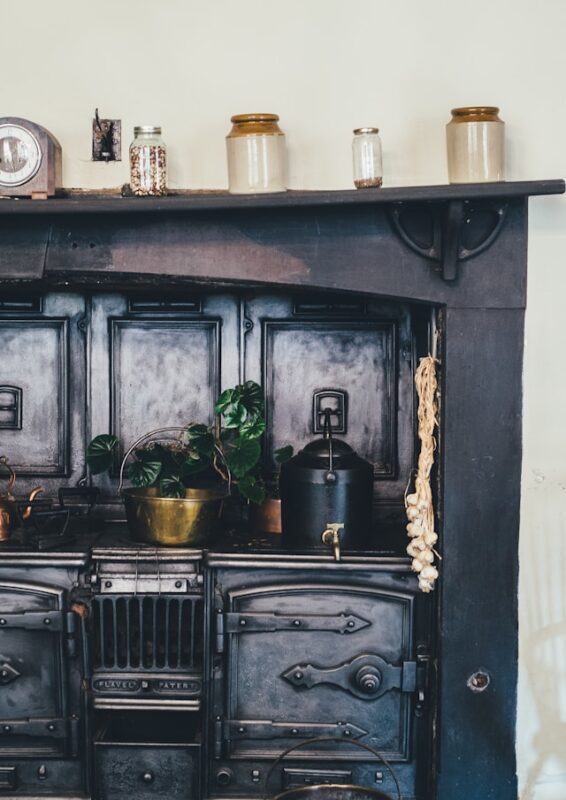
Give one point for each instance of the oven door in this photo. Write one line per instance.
(309, 660)
(37, 636)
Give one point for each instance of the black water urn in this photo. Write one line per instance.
(326, 497)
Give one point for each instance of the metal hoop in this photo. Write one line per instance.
(167, 430)
(341, 741)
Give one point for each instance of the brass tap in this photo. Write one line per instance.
(331, 537)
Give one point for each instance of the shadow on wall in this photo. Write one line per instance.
(543, 643)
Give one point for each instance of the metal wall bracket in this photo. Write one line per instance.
(449, 232)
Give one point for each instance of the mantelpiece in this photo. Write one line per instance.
(459, 250)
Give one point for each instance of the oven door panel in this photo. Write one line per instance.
(35, 635)
(306, 660)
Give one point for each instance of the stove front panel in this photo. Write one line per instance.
(303, 655)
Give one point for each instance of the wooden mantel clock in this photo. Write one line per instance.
(30, 159)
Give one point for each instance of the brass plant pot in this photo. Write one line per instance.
(171, 520)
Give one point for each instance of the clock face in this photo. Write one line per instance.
(20, 155)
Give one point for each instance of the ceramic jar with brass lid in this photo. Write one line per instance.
(257, 155)
(475, 138)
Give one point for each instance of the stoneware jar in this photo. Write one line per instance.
(475, 139)
(257, 155)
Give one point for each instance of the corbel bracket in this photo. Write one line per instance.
(449, 232)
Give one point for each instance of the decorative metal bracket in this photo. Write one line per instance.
(366, 676)
(449, 232)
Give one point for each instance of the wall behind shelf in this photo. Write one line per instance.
(327, 67)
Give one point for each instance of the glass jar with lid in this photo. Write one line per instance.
(148, 161)
(366, 151)
(475, 140)
(257, 155)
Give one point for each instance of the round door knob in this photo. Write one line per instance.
(368, 679)
(148, 776)
(224, 777)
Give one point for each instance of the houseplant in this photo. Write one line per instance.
(166, 473)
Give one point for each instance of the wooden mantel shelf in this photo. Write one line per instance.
(83, 202)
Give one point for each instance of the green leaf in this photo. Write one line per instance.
(243, 456)
(144, 473)
(283, 454)
(228, 398)
(252, 398)
(252, 429)
(171, 487)
(192, 467)
(200, 439)
(251, 489)
(100, 453)
(235, 415)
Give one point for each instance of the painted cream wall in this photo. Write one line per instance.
(326, 67)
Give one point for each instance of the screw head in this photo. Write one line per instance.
(298, 675)
(297, 623)
(3, 621)
(178, 584)
(51, 727)
(47, 621)
(108, 584)
(7, 728)
(243, 623)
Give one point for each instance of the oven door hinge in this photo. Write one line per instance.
(35, 726)
(234, 622)
(239, 729)
(70, 639)
(53, 621)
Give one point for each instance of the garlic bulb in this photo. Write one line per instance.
(418, 504)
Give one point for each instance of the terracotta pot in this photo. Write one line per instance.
(266, 518)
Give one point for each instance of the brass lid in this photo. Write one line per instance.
(476, 114)
(255, 125)
(358, 131)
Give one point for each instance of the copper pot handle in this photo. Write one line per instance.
(342, 741)
(168, 430)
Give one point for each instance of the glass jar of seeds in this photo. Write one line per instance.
(366, 150)
(148, 162)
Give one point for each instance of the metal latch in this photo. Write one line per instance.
(367, 676)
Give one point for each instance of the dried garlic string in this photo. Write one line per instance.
(419, 508)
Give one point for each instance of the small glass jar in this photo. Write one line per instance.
(475, 141)
(257, 155)
(366, 150)
(148, 162)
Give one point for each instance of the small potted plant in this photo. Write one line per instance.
(180, 484)
(267, 515)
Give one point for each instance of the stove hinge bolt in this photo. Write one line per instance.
(71, 634)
